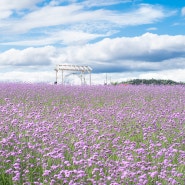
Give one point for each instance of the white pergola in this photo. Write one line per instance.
(81, 69)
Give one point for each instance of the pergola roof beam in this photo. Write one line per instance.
(74, 68)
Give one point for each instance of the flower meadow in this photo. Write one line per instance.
(92, 135)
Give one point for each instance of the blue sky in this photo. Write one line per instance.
(124, 38)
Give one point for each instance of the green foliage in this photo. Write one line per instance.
(150, 82)
(5, 179)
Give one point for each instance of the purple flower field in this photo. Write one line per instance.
(92, 135)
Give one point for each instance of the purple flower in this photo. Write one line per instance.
(46, 172)
(153, 174)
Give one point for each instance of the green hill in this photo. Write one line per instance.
(149, 82)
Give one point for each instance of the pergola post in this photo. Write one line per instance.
(90, 78)
(81, 77)
(56, 75)
(62, 77)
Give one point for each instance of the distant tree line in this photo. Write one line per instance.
(149, 82)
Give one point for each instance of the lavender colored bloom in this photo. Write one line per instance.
(46, 172)
(153, 174)
(92, 134)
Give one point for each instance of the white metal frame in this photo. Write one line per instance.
(82, 69)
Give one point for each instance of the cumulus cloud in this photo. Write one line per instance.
(25, 76)
(147, 47)
(148, 53)
(27, 57)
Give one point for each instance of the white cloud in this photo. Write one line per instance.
(21, 76)
(145, 54)
(92, 3)
(4, 14)
(89, 3)
(146, 14)
(7, 7)
(75, 37)
(49, 76)
(152, 29)
(67, 37)
(27, 57)
(48, 16)
(17, 4)
(183, 11)
(147, 47)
